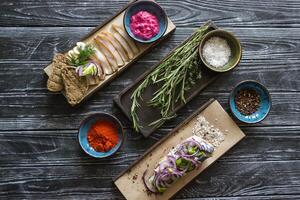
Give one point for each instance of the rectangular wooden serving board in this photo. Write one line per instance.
(106, 26)
(130, 181)
(148, 114)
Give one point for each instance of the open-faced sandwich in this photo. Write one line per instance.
(185, 157)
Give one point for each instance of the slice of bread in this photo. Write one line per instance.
(75, 86)
(55, 82)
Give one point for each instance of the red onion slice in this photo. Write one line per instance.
(150, 188)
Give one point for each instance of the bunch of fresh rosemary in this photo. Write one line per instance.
(175, 75)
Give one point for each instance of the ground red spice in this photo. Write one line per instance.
(103, 136)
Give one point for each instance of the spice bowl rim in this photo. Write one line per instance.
(151, 40)
(232, 96)
(210, 34)
(120, 135)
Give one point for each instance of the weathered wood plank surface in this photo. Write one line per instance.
(39, 152)
(51, 116)
(246, 13)
(40, 43)
(222, 179)
(61, 147)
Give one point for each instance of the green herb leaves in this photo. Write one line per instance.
(82, 57)
(175, 76)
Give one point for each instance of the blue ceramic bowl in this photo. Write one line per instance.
(84, 128)
(152, 8)
(265, 102)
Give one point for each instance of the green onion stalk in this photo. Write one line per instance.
(175, 76)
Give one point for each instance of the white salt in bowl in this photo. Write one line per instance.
(220, 60)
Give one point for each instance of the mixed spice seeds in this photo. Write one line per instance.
(247, 101)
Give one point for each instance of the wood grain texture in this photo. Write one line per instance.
(285, 111)
(40, 43)
(221, 179)
(274, 73)
(39, 153)
(246, 13)
(60, 146)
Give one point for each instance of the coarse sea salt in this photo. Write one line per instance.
(216, 52)
(208, 132)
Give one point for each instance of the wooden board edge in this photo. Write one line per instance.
(203, 107)
(117, 102)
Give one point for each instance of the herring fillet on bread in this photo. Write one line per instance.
(185, 157)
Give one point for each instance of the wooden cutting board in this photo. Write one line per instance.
(148, 114)
(130, 181)
(118, 20)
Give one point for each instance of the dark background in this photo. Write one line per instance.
(39, 152)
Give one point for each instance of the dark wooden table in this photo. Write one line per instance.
(39, 152)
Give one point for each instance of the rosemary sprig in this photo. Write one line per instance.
(82, 57)
(175, 76)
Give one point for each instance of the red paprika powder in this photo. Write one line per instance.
(103, 136)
